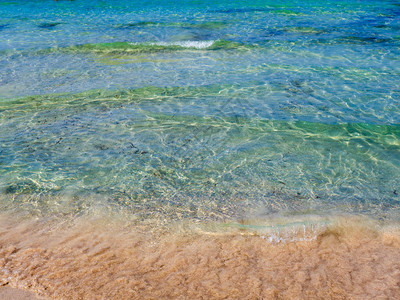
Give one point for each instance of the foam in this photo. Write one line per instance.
(183, 44)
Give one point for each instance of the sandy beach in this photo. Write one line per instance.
(7, 293)
(97, 259)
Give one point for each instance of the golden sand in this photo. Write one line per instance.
(87, 259)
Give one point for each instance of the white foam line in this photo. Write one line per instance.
(184, 44)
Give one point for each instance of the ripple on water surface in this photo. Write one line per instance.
(187, 149)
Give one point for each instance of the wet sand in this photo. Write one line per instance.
(351, 258)
(8, 293)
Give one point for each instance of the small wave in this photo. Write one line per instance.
(183, 44)
(278, 231)
(126, 48)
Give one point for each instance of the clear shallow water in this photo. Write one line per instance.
(200, 111)
(223, 145)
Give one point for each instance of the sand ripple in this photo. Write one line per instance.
(99, 260)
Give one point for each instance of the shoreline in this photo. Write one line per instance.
(100, 258)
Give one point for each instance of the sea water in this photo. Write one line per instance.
(230, 122)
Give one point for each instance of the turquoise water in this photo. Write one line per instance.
(200, 109)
